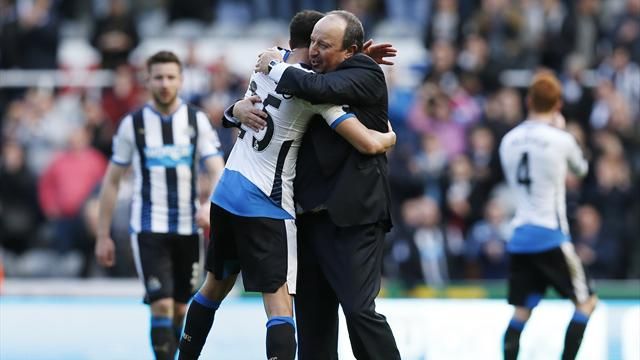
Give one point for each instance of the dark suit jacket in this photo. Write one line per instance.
(329, 171)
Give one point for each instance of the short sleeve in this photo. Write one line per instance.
(332, 114)
(208, 141)
(124, 143)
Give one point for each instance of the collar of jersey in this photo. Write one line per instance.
(162, 116)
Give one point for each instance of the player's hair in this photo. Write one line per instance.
(544, 93)
(162, 57)
(354, 32)
(301, 27)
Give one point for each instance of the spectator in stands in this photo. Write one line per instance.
(627, 29)
(486, 243)
(458, 187)
(196, 77)
(19, 212)
(64, 187)
(429, 165)
(499, 22)
(625, 76)
(198, 10)
(578, 99)
(614, 194)
(43, 122)
(30, 37)
(414, 13)
(431, 113)
(100, 128)
(115, 35)
(442, 69)
(422, 248)
(474, 59)
(445, 23)
(598, 248)
(124, 96)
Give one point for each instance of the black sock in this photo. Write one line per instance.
(162, 339)
(573, 336)
(281, 339)
(512, 339)
(198, 322)
(177, 331)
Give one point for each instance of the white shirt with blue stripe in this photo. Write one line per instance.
(535, 158)
(258, 177)
(165, 196)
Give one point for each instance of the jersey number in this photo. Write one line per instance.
(260, 145)
(522, 172)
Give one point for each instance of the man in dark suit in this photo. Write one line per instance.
(343, 195)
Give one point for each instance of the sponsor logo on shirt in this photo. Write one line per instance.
(169, 156)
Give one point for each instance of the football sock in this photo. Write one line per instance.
(573, 336)
(177, 331)
(199, 320)
(512, 339)
(162, 339)
(281, 340)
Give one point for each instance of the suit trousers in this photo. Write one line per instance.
(340, 265)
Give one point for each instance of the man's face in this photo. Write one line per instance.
(325, 51)
(164, 82)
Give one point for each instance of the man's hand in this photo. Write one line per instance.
(202, 216)
(245, 111)
(265, 58)
(378, 52)
(105, 251)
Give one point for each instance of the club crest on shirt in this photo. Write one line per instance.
(153, 284)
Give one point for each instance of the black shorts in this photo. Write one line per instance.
(560, 268)
(263, 248)
(168, 264)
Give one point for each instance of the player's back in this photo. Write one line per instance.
(265, 161)
(535, 157)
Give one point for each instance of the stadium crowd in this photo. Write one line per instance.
(451, 212)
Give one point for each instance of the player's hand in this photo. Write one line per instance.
(202, 216)
(379, 52)
(105, 251)
(245, 111)
(265, 58)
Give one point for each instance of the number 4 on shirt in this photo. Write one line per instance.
(522, 173)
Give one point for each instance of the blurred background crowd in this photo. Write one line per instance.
(457, 87)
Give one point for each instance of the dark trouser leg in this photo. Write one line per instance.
(351, 260)
(316, 305)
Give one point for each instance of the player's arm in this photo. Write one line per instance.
(105, 247)
(576, 160)
(347, 125)
(365, 140)
(212, 161)
(214, 166)
(123, 149)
